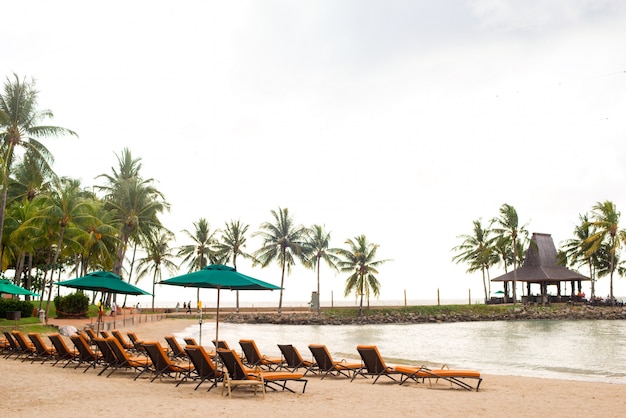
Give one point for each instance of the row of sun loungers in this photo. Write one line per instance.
(114, 352)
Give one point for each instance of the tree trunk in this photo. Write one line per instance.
(282, 285)
(485, 285)
(153, 286)
(319, 304)
(54, 262)
(593, 280)
(43, 282)
(361, 299)
(3, 203)
(130, 274)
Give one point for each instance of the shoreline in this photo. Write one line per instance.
(35, 389)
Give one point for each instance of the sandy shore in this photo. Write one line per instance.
(35, 389)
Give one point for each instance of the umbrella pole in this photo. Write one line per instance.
(200, 319)
(217, 318)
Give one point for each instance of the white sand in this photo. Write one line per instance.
(41, 390)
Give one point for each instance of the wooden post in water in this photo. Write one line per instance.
(405, 297)
(332, 299)
(438, 299)
(469, 296)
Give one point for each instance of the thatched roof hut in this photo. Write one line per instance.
(540, 267)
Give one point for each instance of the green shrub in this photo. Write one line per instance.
(72, 306)
(16, 305)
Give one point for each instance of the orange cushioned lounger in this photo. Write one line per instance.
(326, 365)
(453, 376)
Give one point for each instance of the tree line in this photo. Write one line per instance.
(51, 224)
(502, 242)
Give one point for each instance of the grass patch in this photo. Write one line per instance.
(27, 326)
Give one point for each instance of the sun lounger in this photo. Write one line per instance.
(14, 347)
(254, 358)
(105, 334)
(63, 351)
(326, 365)
(85, 353)
(137, 343)
(5, 346)
(221, 344)
(26, 348)
(126, 361)
(127, 345)
(91, 334)
(204, 368)
(42, 351)
(190, 341)
(292, 360)
(162, 365)
(374, 365)
(455, 377)
(108, 358)
(238, 374)
(176, 351)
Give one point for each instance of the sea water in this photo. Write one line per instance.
(592, 350)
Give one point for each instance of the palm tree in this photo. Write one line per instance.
(359, 259)
(605, 220)
(232, 242)
(201, 252)
(100, 240)
(158, 257)
(282, 241)
(503, 249)
(475, 250)
(576, 249)
(30, 178)
(317, 243)
(135, 202)
(20, 129)
(21, 245)
(509, 226)
(65, 207)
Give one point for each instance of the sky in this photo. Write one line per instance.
(400, 120)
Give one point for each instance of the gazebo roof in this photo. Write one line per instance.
(540, 264)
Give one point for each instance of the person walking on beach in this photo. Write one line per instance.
(189, 307)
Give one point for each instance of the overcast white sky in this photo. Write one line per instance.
(400, 120)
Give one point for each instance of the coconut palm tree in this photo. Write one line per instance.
(22, 248)
(201, 251)
(283, 242)
(360, 260)
(476, 251)
(508, 223)
(317, 243)
(20, 128)
(231, 245)
(30, 178)
(159, 256)
(135, 202)
(605, 220)
(100, 240)
(65, 207)
(576, 249)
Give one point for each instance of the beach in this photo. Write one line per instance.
(36, 389)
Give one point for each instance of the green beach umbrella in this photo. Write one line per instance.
(218, 276)
(9, 288)
(104, 281)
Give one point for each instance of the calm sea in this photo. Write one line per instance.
(574, 350)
